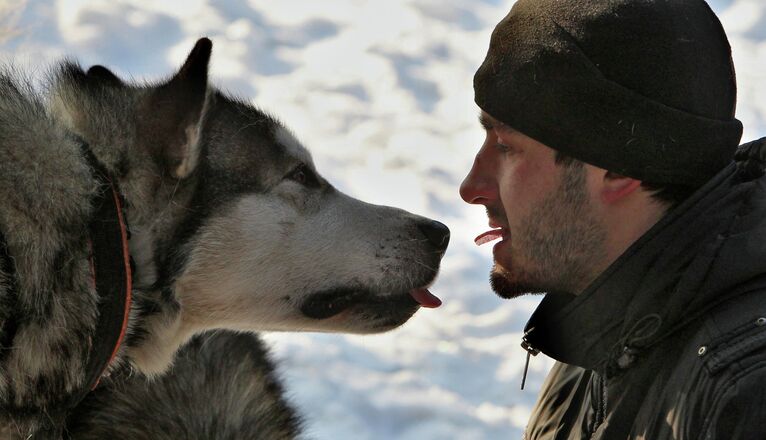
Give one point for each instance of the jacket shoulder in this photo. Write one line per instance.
(733, 333)
(730, 390)
(740, 413)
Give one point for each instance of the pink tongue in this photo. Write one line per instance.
(488, 236)
(425, 298)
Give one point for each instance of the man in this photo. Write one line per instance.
(608, 172)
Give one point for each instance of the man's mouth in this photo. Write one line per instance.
(489, 236)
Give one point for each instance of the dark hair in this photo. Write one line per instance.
(669, 194)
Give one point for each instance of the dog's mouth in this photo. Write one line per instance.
(425, 298)
(329, 303)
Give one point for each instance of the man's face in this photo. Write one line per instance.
(552, 237)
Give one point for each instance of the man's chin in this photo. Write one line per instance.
(505, 288)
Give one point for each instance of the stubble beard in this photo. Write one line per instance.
(558, 247)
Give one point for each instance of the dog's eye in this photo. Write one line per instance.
(303, 175)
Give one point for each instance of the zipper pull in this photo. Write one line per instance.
(531, 351)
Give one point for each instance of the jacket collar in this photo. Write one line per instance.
(690, 260)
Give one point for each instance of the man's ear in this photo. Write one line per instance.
(616, 187)
(171, 119)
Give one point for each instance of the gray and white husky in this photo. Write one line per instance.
(135, 218)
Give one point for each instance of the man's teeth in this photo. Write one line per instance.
(488, 236)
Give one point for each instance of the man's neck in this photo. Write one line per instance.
(624, 226)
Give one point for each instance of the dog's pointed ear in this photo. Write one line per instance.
(101, 73)
(175, 112)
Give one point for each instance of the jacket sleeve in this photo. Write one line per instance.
(741, 412)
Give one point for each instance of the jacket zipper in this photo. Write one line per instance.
(531, 351)
(601, 407)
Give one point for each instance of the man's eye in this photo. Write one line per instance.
(502, 148)
(304, 176)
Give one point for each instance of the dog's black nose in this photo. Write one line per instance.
(436, 232)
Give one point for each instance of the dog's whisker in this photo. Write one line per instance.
(420, 263)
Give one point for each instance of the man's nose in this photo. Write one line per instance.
(478, 187)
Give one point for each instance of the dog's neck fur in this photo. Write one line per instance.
(155, 206)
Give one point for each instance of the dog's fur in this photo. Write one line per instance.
(231, 228)
(221, 386)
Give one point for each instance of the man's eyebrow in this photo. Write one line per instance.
(490, 124)
(486, 122)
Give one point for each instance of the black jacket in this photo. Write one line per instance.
(670, 341)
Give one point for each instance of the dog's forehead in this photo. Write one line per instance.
(292, 145)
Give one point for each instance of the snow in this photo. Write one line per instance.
(381, 93)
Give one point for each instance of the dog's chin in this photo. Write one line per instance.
(359, 311)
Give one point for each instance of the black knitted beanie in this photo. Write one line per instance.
(643, 88)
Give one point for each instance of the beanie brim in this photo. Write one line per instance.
(606, 125)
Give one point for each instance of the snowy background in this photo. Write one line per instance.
(380, 91)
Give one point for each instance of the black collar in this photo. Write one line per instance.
(10, 323)
(111, 271)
